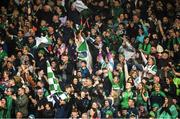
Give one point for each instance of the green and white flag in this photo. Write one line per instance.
(43, 41)
(52, 81)
(84, 53)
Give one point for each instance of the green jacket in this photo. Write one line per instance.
(140, 100)
(120, 84)
(169, 113)
(146, 48)
(126, 95)
(3, 112)
(3, 54)
(177, 83)
(9, 106)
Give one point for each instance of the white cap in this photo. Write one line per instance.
(159, 49)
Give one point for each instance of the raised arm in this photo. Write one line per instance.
(144, 29)
(101, 59)
(143, 57)
(110, 77)
(110, 59)
(175, 72)
(126, 71)
(161, 29)
(122, 79)
(130, 47)
(148, 49)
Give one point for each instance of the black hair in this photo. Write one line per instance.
(83, 61)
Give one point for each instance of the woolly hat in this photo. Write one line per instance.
(113, 52)
(155, 105)
(42, 52)
(159, 49)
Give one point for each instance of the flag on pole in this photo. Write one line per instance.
(84, 53)
(43, 41)
(84, 11)
(52, 81)
(79, 5)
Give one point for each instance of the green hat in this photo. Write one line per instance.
(151, 114)
(155, 105)
(113, 52)
(42, 52)
(109, 112)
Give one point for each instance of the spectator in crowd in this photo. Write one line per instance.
(21, 102)
(19, 115)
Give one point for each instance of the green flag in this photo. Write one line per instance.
(52, 81)
(83, 47)
(84, 53)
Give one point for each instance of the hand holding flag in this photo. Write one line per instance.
(52, 81)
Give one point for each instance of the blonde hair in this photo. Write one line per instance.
(114, 94)
(132, 72)
(157, 85)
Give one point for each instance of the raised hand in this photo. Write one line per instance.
(107, 49)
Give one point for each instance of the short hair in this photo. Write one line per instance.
(74, 110)
(22, 89)
(146, 37)
(64, 54)
(10, 89)
(83, 61)
(68, 86)
(19, 113)
(21, 31)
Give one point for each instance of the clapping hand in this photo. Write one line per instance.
(107, 49)
(14, 97)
